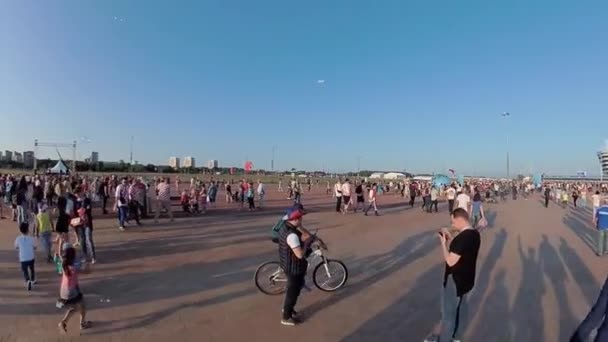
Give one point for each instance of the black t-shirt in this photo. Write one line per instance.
(359, 190)
(63, 223)
(466, 244)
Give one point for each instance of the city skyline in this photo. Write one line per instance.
(389, 86)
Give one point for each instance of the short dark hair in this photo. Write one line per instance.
(24, 227)
(460, 213)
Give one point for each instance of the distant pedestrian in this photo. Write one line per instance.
(595, 201)
(372, 199)
(547, 196)
(451, 196)
(413, 191)
(121, 205)
(251, 197)
(346, 191)
(434, 199)
(261, 193)
(338, 195)
(163, 199)
(477, 213)
(360, 197)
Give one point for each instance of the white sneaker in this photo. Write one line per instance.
(122, 229)
(431, 338)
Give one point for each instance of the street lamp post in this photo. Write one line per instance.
(507, 115)
(274, 147)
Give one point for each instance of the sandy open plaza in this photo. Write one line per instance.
(192, 280)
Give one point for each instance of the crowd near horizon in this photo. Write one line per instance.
(57, 212)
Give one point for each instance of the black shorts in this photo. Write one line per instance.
(71, 301)
(345, 199)
(360, 199)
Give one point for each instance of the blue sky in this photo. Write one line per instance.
(416, 85)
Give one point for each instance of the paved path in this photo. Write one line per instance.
(192, 280)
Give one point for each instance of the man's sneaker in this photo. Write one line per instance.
(432, 338)
(121, 228)
(29, 285)
(34, 281)
(290, 321)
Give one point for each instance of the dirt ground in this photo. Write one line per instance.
(192, 280)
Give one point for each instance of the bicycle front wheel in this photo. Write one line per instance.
(270, 279)
(330, 275)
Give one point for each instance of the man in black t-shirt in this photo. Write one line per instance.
(459, 276)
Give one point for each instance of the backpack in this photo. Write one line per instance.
(274, 232)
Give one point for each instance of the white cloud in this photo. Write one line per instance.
(320, 81)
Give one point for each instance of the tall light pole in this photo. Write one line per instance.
(506, 115)
(274, 148)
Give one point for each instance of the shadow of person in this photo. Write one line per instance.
(376, 267)
(482, 283)
(579, 228)
(579, 271)
(553, 268)
(492, 313)
(527, 322)
(410, 317)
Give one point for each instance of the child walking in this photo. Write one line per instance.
(44, 230)
(70, 295)
(26, 246)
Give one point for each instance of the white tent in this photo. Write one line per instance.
(423, 178)
(394, 175)
(60, 167)
(376, 175)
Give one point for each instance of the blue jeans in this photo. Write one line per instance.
(594, 318)
(86, 242)
(453, 313)
(122, 216)
(45, 239)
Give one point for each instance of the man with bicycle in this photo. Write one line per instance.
(293, 247)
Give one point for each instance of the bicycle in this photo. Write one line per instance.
(328, 275)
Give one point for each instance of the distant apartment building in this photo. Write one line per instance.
(174, 162)
(189, 162)
(212, 164)
(8, 156)
(28, 158)
(17, 157)
(1, 156)
(94, 158)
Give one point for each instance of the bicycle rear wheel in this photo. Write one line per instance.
(330, 276)
(270, 279)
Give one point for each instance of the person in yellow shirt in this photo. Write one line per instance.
(44, 230)
(564, 199)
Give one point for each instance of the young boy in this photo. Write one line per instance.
(26, 246)
(44, 230)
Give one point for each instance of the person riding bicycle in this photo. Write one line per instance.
(293, 247)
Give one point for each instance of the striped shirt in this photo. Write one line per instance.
(137, 191)
(164, 192)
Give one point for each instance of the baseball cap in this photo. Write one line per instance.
(295, 214)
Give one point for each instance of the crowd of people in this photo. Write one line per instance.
(58, 210)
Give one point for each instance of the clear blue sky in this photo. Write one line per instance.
(228, 80)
